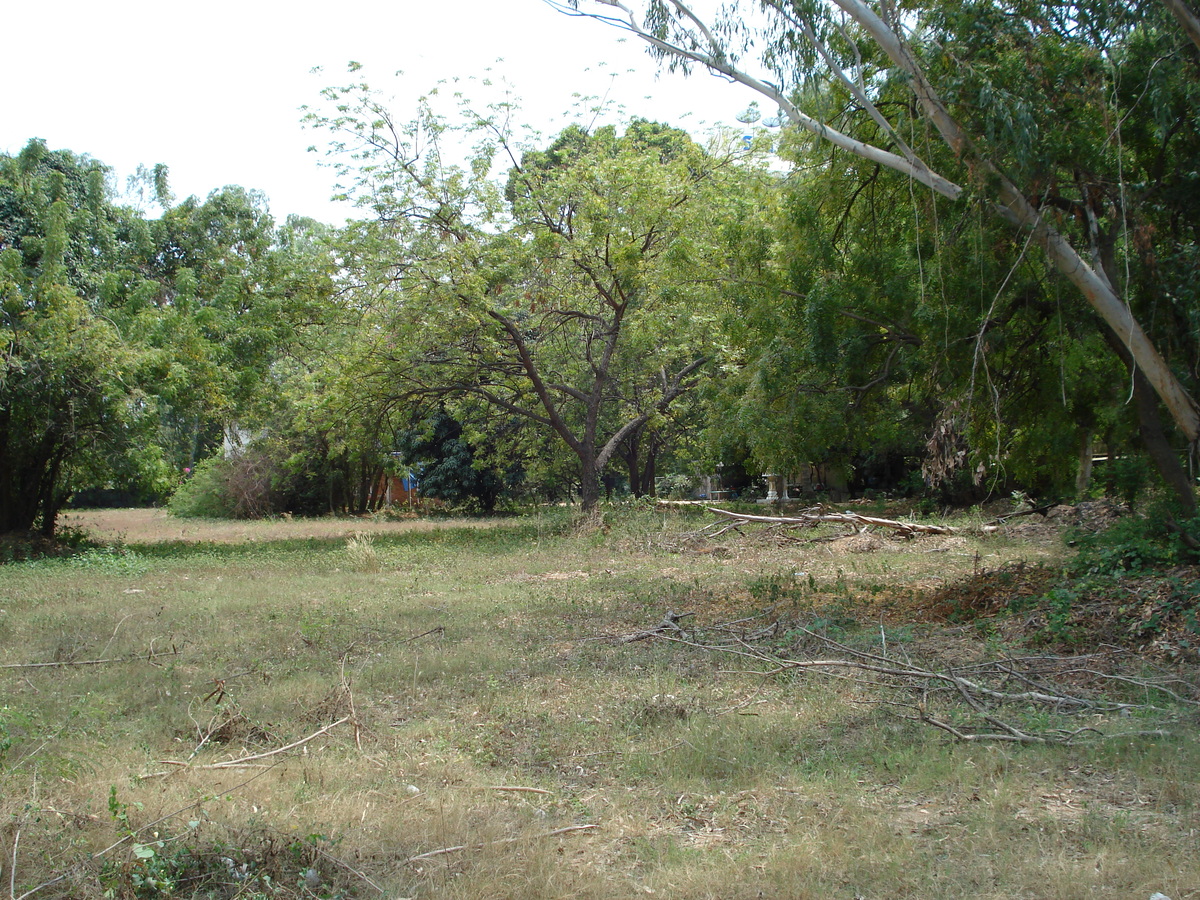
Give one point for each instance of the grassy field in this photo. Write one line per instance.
(453, 709)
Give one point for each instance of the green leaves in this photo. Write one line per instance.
(565, 296)
(128, 343)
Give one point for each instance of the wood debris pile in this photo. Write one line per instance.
(813, 517)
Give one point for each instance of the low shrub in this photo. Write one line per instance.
(1157, 540)
(238, 487)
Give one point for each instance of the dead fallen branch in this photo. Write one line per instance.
(349, 695)
(342, 864)
(669, 625)
(148, 656)
(513, 840)
(246, 761)
(1010, 699)
(516, 789)
(809, 519)
(1042, 511)
(439, 630)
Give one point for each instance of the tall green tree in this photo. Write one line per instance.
(1072, 123)
(72, 408)
(128, 343)
(878, 325)
(224, 291)
(572, 295)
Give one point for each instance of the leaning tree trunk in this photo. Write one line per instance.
(1016, 208)
(1153, 433)
(1187, 19)
(1012, 204)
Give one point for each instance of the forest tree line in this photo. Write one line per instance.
(911, 283)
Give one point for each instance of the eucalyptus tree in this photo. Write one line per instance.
(575, 294)
(1073, 123)
(880, 334)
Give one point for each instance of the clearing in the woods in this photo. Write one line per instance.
(659, 706)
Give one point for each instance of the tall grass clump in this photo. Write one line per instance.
(363, 556)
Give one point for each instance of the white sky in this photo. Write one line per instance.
(214, 89)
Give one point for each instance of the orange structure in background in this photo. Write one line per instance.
(401, 490)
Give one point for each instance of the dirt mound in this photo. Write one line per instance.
(1155, 613)
(857, 543)
(989, 592)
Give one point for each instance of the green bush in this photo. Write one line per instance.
(203, 495)
(238, 487)
(677, 487)
(1127, 478)
(1157, 540)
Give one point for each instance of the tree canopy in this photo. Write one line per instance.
(577, 295)
(967, 262)
(129, 343)
(1071, 122)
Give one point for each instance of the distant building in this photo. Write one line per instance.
(400, 490)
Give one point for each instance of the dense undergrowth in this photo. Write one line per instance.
(1134, 585)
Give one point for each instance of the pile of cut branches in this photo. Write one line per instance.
(814, 517)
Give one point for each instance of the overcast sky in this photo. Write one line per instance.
(214, 89)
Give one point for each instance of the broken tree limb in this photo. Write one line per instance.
(460, 847)
(1037, 510)
(149, 656)
(983, 701)
(440, 630)
(516, 789)
(845, 518)
(248, 761)
(669, 624)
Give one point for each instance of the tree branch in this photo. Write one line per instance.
(719, 63)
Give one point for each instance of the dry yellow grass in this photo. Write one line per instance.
(489, 707)
(148, 526)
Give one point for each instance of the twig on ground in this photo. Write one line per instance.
(441, 629)
(445, 850)
(350, 699)
(12, 869)
(981, 688)
(245, 761)
(516, 789)
(752, 700)
(147, 657)
(669, 623)
(349, 868)
(113, 636)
